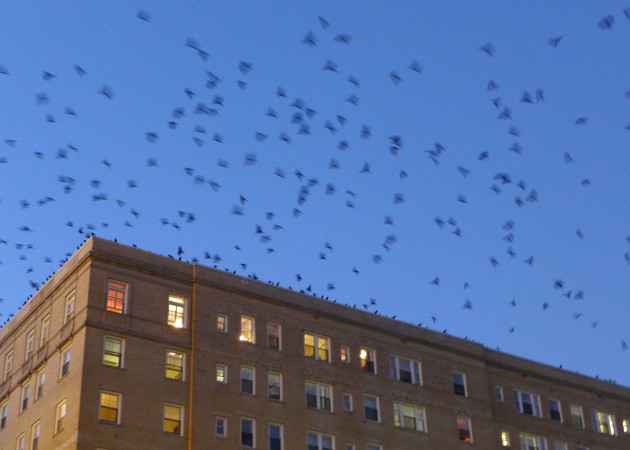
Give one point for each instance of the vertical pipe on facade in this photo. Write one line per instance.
(191, 367)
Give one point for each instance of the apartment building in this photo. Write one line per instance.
(125, 349)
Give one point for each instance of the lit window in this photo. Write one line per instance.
(459, 383)
(505, 438)
(248, 429)
(404, 369)
(275, 436)
(45, 330)
(319, 441)
(112, 351)
(318, 396)
(555, 411)
(69, 310)
(35, 432)
(316, 347)
(109, 407)
(347, 402)
(60, 415)
(626, 426)
(220, 427)
(26, 393)
(409, 416)
(344, 354)
(604, 422)
(368, 359)
(560, 445)
(533, 442)
(370, 407)
(176, 311)
(8, 365)
(116, 296)
(577, 416)
(274, 333)
(4, 413)
(19, 442)
(65, 362)
(498, 393)
(464, 429)
(222, 323)
(248, 330)
(41, 379)
(274, 385)
(247, 380)
(173, 415)
(527, 403)
(30, 344)
(174, 365)
(221, 373)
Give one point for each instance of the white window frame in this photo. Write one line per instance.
(106, 351)
(319, 441)
(320, 350)
(344, 354)
(120, 291)
(221, 368)
(498, 394)
(458, 380)
(376, 408)
(274, 333)
(274, 383)
(367, 356)
(64, 364)
(604, 422)
(532, 442)
(43, 339)
(20, 442)
(248, 330)
(30, 345)
(561, 445)
(117, 408)
(415, 370)
(222, 323)
(25, 396)
(418, 416)
(558, 405)
(577, 415)
(520, 403)
(177, 311)
(179, 429)
(251, 371)
(61, 411)
(347, 403)
(70, 306)
(171, 371)
(224, 424)
(318, 395)
(40, 381)
(8, 365)
(372, 446)
(279, 439)
(4, 414)
(467, 422)
(36, 430)
(252, 422)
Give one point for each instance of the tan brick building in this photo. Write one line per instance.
(125, 349)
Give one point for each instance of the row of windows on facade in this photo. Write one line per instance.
(527, 441)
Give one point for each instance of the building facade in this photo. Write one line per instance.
(125, 349)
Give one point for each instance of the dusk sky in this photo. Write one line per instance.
(462, 166)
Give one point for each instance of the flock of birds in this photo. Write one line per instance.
(213, 171)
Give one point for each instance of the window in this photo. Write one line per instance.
(45, 330)
(40, 380)
(109, 410)
(604, 422)
(316, 347)
(368, 359)
(112, 351)
(409, 416)
(35, 432)
(247, 380)
(220, 427)
(69, 311)
(459, 383)
(26, 393)
(4, 413)
(248, 330)
(19, 442)
(581, 447)
(577, 416)
(248, 428)
(347, 401)
(344, 354)
(498, 394)
(532, 442)
(173, 415)
(370, 407)
(116, 297)
(319, 441)
(560, 445)
(505, 439)
(60, 415)
(274, 333)
(527, 403)
(373, 447)
(274, 385)
(464, 429)
(221, 373)
(174, 365)
(30, 344)
(222, 323)
(626, 426)
(275, 436)
(319, 396)
(555, 411)
(8, 365)
(65, 362)
(349, 447)
(176, 311)
(404, 369)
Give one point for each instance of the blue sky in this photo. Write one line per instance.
(460, 165)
